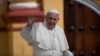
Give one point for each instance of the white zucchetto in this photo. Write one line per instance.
(53, 11)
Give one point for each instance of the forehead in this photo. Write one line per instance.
(52, 14)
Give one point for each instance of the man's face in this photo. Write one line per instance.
(51, 19)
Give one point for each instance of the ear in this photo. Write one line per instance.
(45, 16)
(58, 18)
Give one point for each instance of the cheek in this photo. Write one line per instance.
(56, 21)
(49, 21)
(52, 21)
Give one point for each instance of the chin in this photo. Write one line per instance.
(51, 27)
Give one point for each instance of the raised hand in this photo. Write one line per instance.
(31, 21)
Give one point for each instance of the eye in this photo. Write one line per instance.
(54, 19)
(50, 18)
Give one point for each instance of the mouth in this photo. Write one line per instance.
(51, 26)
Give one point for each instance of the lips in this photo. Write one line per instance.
(51, 23)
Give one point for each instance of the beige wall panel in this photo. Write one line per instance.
(20, 47)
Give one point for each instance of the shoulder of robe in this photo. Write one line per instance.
(36, 24)
(59, 27)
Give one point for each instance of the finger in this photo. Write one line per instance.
(30, 20)
(34, 19)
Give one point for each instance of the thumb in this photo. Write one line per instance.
(31, 19)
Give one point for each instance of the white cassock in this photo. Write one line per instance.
(46, 42)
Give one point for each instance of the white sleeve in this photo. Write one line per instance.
(26, 34)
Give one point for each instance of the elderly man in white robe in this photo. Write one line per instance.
(47, 38)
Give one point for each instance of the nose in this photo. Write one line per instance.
(52, 21)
